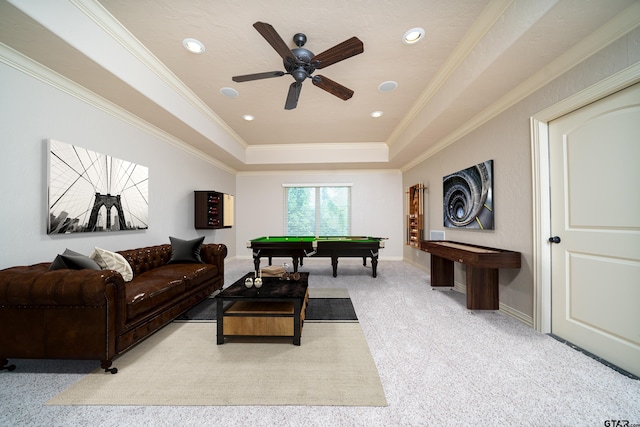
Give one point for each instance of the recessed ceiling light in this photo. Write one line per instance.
(412, 36)
(387, 86)
(376, 114)
(248, 117)
(193, 45)
(229, 92)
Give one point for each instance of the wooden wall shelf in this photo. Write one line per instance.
(213, 210)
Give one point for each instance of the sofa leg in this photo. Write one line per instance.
(105, 364)
(4, 366)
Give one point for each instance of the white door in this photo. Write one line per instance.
(595, 211)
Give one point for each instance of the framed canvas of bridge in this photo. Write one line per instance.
(92, 192)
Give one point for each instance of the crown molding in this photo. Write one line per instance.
(315, 153)
(108, 23)
(84, 25)
(614, 29)
(322, 172)
(485, 22)
(24, 64)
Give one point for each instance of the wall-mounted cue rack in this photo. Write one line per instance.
(415, 215)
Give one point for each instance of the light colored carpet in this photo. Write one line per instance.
(440, 365)
(182, 365)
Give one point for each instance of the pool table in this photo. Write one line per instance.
(298, 247)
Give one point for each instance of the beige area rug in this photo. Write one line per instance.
(182, 365)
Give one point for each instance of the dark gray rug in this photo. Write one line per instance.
(318, 310)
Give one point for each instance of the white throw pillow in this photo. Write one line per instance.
(108, 260)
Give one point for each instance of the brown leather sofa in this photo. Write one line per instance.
(95, 314)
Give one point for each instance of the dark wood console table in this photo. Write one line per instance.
(482, 269)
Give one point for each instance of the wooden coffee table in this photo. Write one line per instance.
(276, 309)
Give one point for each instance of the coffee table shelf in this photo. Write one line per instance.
(261, 319)
(276, 310)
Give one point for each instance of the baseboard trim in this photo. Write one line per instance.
(517, 314)
(508, 310)
(415, 264)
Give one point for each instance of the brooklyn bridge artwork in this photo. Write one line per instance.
(90, 192)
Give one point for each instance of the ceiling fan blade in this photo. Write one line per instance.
(293, 95)
(332, 87)
(339, 52)
(257, 76)
(273, 38)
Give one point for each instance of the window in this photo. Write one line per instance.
(317, 210)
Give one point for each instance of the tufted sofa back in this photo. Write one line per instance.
(148, 258)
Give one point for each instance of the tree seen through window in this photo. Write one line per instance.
(318, 211)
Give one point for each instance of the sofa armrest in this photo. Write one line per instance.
(36, 285)
(61, 314)
(214, 253)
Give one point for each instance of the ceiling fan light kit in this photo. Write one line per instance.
(301, 63)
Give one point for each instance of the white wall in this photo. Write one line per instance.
(31, 112)
(376, 200)
(507, 140)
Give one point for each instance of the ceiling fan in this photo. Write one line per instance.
(301, 63)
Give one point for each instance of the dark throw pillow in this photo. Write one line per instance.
(185, 251)
(74, 261)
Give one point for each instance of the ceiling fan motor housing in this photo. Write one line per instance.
(301, 69)
(299, 39)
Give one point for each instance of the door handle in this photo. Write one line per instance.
(554, 239)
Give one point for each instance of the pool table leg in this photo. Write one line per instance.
(374, 263)
(256, 260)
(295, 263)
(334, 264)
